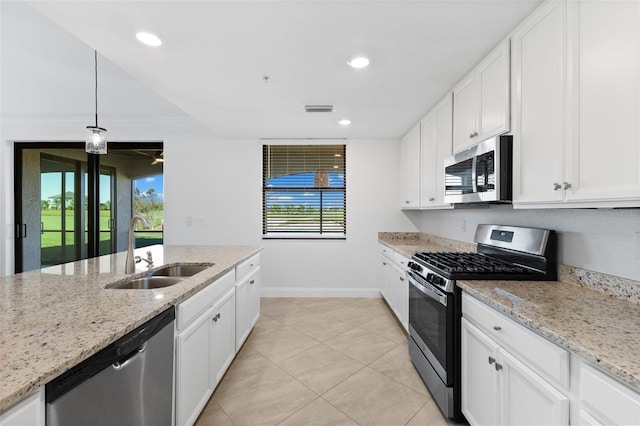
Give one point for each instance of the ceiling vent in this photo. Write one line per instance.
(318, 108)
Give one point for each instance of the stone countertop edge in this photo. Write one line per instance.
(407, 243)
(39, 308)
(599, 328)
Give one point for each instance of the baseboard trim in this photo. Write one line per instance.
(371, 293)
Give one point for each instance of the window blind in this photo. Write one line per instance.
(304, 191)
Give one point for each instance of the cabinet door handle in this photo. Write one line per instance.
(401, 279)
(566, 185)
(215, 319)
(252, 282)
(498, 367)
(491, 360)
(473, 134)
(431, 199)
(556, 186)
(407, 202)
(497, 328)
(384, 263)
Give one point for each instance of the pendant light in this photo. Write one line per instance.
(96, 142)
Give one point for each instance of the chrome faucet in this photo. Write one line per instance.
(149, 259)
(129, 265)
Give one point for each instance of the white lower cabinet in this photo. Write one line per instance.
(393, 283)
(605, 401)
(223, 336)
(205, 345)
(510, 375)
(247, 299)
(498, 389)
(28, 412)
(193, 386)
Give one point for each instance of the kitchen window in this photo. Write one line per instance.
(304, 191)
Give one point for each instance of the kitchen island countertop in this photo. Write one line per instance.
(52, 319)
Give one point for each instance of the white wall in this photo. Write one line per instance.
(227, 175)
(217, 183)
(603, 240)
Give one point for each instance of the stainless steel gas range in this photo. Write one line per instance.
(503, 253)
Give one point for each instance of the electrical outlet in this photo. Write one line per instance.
(188, 220)
(464, 225)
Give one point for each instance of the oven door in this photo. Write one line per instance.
(431, 324)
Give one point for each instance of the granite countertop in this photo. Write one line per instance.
(52, 319)
(578, 313)
(407, 243)
(599, 328)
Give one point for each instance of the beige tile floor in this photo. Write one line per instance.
(320, 361)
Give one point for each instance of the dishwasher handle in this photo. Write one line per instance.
(119, 365)
(119, 351)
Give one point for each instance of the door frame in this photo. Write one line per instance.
(93, 189)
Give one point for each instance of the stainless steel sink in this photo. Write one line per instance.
(146, 283)
(181, 270)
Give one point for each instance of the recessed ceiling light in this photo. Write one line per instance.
(148, 39)
(359, 62)
(344, 122)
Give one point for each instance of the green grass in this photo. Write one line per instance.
(52, 250)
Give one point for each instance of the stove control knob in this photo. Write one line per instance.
(414, 266)
(437, 280)
(430, 278)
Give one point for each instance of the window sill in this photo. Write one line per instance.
(302, 236)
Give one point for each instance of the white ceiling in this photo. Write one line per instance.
(215, 54)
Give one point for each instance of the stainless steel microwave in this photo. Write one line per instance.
(480, 174)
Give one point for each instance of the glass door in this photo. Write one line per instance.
(55, 215)
(61, 202)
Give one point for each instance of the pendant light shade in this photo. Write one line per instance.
(96, 141)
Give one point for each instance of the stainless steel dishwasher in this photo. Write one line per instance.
(130, 382)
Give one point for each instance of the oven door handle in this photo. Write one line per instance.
(427, 291)
(474, 174)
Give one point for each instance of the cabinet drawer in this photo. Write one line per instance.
(606, 399)
(400, 260)
(188, 310)
(386, 251)
(541, 355)
(247, 266)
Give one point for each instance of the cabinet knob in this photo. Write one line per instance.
(218, 315)
(556, 186)
(432, 199)
(384, 263)
(401, 279)
(252, 282)
(407, 202)
(497, 328)
(491, 360)
(214, 319)
(566, 185)
(498, 367)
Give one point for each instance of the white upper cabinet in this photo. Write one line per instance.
(435, 146)
(481, 100)
(604, 152)
(539, 105)
(410, 169)
(576, 105)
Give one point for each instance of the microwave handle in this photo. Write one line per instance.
(474, 174)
